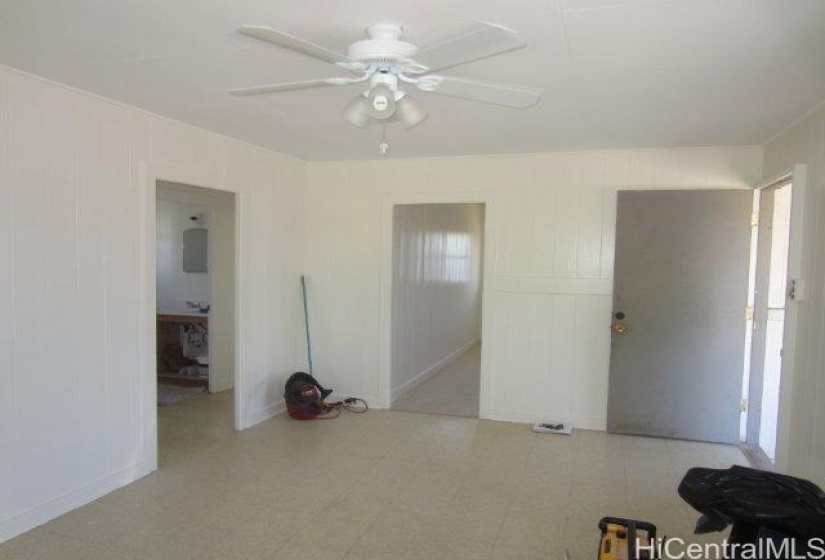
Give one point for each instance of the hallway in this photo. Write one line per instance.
(453, 391)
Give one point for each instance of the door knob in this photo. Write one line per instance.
(618, 328)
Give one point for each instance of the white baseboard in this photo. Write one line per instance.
(581, 422)
(219, 386)
(38, 515)
(430, 371)
(264, 414)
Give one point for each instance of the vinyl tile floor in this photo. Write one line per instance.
(381, 485)
(453, 391)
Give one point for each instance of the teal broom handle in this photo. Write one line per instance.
(306, 324)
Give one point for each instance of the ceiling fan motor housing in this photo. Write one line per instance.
(383, 45)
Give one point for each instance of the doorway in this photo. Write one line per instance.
(767, 301)
(437, 287)
(195, 306)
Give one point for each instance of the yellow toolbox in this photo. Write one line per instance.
(626, 539)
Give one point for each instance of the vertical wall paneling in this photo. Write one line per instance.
(77, 180)
(548, 288)
(8, 309)
(567, 215)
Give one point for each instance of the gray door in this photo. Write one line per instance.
(680, 294)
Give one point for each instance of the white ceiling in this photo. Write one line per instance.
(616, 73)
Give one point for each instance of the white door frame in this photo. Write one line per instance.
(150, 174)
(797, 176)
(388, 202)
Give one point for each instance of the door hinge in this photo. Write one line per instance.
(743, 405)
(754, 219)
(795, 291)
(749, 314)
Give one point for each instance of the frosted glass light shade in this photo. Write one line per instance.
(356, 112)
(409, 112)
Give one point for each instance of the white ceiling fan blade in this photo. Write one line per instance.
(292, 43)
(476, 90)
(290, 86)
(482, 40)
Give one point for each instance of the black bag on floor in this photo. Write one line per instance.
(304, 396)
(760, 506)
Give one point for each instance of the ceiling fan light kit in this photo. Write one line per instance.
(384, 61)
(356, 112)
(381, 102)
(409, 112)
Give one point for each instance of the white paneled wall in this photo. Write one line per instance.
(805, 143)
(546, 342)
(77, 370)
(436, 288)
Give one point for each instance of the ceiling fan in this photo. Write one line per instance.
(384, 64)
